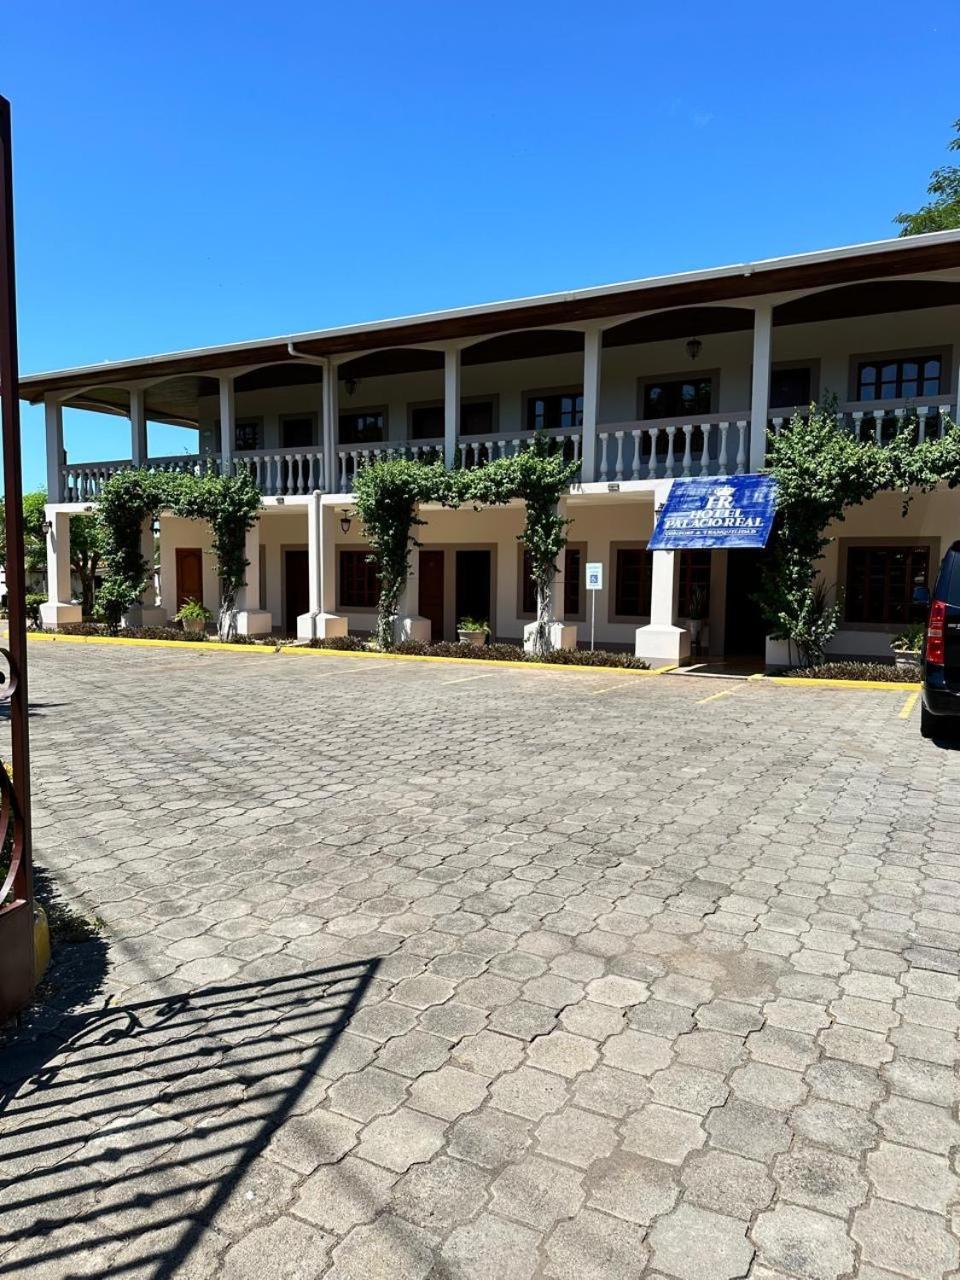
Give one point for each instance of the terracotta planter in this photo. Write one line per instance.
(472, 637)
(194, 626)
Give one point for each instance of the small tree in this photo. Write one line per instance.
(231, 505)
(34, 539)
(942, 212)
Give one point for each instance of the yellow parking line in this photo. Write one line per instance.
(909, 704)
(724, 693)
(621, 684)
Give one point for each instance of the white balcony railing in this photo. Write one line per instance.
(351, 457)
(474, 451)
(880, 420)
(283, 472)
(82, 481)
(715, 444)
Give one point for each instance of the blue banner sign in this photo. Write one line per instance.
(717, 511)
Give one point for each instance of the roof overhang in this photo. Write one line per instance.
(877, 260)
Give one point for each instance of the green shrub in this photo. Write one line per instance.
(513, 653)
(32, 603)
(884, 671)
(350, 643)
(596, 658)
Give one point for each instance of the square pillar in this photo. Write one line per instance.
(321, 622)
(451, 406)
(58, 607)
(410, 625)
(138, 428)
(228, 419)
(663, 643)
(592, 353)
(251, 619)
(760, 392)
(330, 426)
(53, 419)
(147, 613)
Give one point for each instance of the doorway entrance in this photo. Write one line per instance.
(296, 589)
(430, 602)
(189, 575)
(745, 629)
(473, 585)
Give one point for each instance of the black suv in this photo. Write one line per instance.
(940, 711)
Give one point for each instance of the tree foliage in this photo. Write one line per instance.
(388, 495)
(820, 470)
(942, 213)
(229, 503)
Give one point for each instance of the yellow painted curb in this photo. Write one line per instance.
(206, 646)
(805, 682)
(473, 662)
(202, 646)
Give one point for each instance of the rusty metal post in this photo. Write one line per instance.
(17, 979)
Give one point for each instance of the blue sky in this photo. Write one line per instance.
(194, 173)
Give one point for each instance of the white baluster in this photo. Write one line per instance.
(687, 447)
(777, 424)
(857, 416)
(601, 455)
(653, 435)
(705, 429)
(635, 469)
(343, 472)
(878, 416)
(491, 450)
(669, 468)
(517, 445)
(576, 448)
(922, 411)
(722, 449)
(618, 475)
(944, 413)
(741, 446)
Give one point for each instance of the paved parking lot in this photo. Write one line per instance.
(419, 970)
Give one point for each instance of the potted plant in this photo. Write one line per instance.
(907, 645)
(470, 631)
(193, 617)
(696, 618)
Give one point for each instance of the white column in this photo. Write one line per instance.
(329, 426)
(228, 418)
(760, 394)
(592, 354)
(138, 428)
(662, 643)
(53, 416)
(410, 625)
(58, 608)
(251, 619)
(321, 622)
(451, 405)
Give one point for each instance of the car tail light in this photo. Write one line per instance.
(935, 626)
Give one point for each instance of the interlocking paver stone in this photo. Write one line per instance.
(441, 999)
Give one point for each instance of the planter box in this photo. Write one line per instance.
(906, 659)
(472, 637)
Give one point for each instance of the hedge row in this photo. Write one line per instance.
(491, 652)
(884, 671)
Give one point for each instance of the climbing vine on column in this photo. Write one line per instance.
(388, 495)
(820, 470)
(230, 504)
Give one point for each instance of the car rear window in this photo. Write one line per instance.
(948, 581)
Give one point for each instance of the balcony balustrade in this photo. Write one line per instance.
(663, 449)
(706, 445)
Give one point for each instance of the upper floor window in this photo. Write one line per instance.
(246, 434)
(900, 379)
(880, 582)
(296, 431)
(477, 417)
(677, 397)
(790, 387)
(554, 410)
(365, 426)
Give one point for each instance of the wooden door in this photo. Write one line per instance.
(473, 586)
(431, 591)
(189, 575)
(296, 574)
